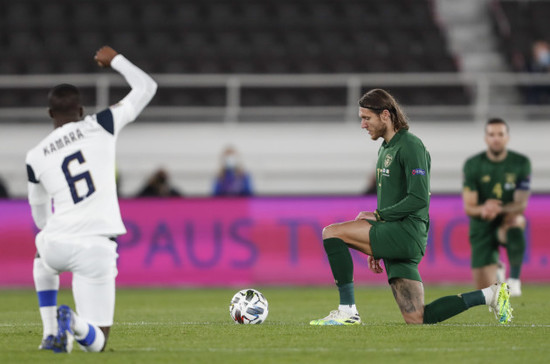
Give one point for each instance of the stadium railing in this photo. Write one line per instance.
(481, 86)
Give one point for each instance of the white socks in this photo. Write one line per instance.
(90, 337)
(349, 309)
(46, 284)
(49, 321)
(489, 294)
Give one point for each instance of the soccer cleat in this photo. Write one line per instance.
(500, 303)
(337, 317)
(501, 271)
(65, 333)
(47, 343)
(515, 287)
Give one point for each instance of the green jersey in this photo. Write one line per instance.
(403, 178)
(492, 180)
(497, 180)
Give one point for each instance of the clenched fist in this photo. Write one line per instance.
(104, 56)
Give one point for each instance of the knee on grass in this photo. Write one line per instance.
(413, 318)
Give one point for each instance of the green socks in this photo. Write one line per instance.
(347, 294)
(341, 265)
(515, 247)
(449, 306)
(474, 298)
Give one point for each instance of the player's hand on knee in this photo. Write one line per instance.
(104, 56)
(374, 265)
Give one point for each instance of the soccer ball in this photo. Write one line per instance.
(248, 306)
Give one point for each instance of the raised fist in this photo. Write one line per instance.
(104, 56)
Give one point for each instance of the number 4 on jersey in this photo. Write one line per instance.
(497, 191)
(72, 180)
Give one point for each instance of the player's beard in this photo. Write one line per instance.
(378, 131)
(497, 152)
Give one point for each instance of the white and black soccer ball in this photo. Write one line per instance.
(248, 306)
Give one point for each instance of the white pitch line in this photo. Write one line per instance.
(322, 349)
(306, 324)
(194, 323)
(20, 325)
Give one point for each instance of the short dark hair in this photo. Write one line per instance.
(497, 121)
(64, 98)
(379, 100)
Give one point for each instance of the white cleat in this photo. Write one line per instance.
(337, 318)
(500, 303)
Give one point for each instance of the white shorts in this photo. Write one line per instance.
(92, 260)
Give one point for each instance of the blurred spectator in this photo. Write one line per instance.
(158, 185)
(539, 63)
(3, 189)
(232, 179)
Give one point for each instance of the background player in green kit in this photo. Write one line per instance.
(397, 231)
(496, 190)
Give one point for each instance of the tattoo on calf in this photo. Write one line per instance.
(404, 296)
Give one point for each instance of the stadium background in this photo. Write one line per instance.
(278, 80)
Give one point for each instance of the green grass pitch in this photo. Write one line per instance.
(193, 326)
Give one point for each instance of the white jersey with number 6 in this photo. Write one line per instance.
(74, 166)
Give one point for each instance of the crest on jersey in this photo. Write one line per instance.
(510, 181)
(486, 179)
(388, 160)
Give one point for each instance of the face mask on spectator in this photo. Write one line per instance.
(543, 58)
(230, 161)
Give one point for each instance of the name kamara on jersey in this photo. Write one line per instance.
(65, 140)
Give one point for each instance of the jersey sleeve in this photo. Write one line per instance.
(36, 192)
(415, 161)
(524, 178)
(41, 213)
(143, 88)
(468, 176)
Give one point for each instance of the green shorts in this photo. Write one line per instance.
(484, 243)
(401, 244)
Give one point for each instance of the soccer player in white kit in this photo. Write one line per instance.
(73, 171)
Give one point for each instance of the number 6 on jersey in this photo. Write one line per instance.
(72, 180)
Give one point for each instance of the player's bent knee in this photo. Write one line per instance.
(105, 330)
(414, 318)
(514, 220)
(329, 232)
(511, 221)
(519, 221)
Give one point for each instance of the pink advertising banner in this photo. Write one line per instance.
(238, 242)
